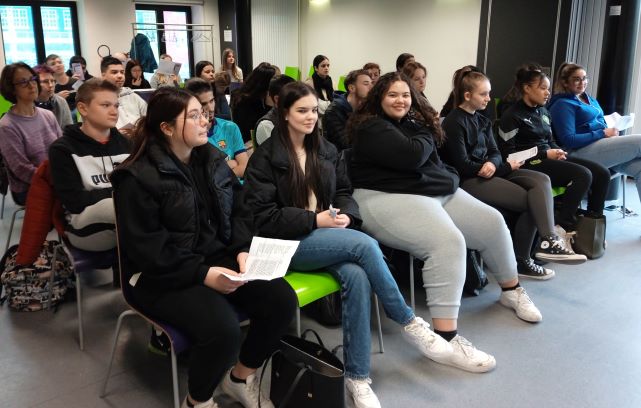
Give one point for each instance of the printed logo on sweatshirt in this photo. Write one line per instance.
(222, 144)
(95, 171)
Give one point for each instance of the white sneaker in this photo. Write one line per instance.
(247, 394)
(207, 404)
(467, 357)
(566, 236)
(429, 343)
(518, 300)
(361, 394)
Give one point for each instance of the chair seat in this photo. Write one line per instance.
(89, 260)
(311, 286)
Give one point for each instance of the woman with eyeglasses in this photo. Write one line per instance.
(579, 126)
(183, 227)
(47, 98)
(26, 131)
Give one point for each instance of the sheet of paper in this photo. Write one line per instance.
(268, 259)
(615, 120)
(77, 84)
(523, 155)
(77, 69)
(177, 66)
(166, 67)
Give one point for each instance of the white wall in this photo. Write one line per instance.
(442, 34)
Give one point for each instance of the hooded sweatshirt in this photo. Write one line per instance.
(81, 168)
(576, 124)
(131, 108)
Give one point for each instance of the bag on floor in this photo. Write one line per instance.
(306, 374)
(326, 310)
(26, 287)
(590, 236)
(475, 278)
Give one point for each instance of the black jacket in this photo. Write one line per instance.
(334, 122)
(159, 220)
(268, 191)
(523, 127)
(469, 143)
(399, 157)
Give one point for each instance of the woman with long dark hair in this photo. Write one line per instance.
(322, 82)
(293, 182)
(182, 226)
(134, 77)
(251, 101)
(410, 200)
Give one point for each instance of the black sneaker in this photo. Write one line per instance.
(159, 343)
(528, 269)
(552, 249)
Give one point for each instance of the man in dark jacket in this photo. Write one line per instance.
(358, 84)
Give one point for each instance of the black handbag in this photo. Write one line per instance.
(590, 236)
(475, 278)
(306, 374)
(326, 310)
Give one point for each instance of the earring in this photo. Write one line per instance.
(286, 118)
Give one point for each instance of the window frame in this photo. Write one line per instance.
(159, 32)
(38, 29)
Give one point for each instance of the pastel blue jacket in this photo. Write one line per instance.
(576, 124)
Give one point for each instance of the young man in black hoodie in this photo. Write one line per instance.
(81, 163)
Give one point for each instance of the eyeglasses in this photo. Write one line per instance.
(26, 82)
(195, 116)
(578, 80)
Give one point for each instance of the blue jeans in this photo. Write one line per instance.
(356, 259)
(620, 153)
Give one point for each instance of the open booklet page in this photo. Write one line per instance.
(268, 259)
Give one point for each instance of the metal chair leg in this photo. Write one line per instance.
(174, 378)
(13, 221)
(81, 332)
(380, 327)
(298, 321)
(124, 314)
(412, 300)
(623, 208)
(4, 196)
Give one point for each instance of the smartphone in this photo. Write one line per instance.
(76, 68)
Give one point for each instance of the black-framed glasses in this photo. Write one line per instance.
(25, 82)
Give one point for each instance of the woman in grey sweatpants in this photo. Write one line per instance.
(410, 200)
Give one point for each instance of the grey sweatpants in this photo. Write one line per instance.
(437, 230)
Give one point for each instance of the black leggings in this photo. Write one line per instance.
(579, 177)
(209, 321)
(524, 192)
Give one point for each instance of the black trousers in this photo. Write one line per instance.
(524, 192)
(580, 177)
(210, 322)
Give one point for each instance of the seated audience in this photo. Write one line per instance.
(527, 124)
(131, 107)
(269, 121)
(205, 70)
(579, 126)
(410, 200)
(417, 73)
(233, 71)
(374, 71)
(358, 83)
(134, 77)
(322, 82)
(182, 228)
(514, 94)
(64, 83)
(221, 85)
(47, 99)
(251, 101)
(26, 131)
(471, 149)
(449, 104)
(222, 133)
(81, 163)
(292, 182)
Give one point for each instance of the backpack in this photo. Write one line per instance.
(26, 287)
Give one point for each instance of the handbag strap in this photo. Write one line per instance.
(291, 388)
(304, 335)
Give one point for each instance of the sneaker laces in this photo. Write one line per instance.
(466, 346)
(558, 243)
(538, 269)
(523, 297)
(420, 328)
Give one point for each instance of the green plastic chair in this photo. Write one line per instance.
(5, 105)
(293, 73)
(311, 286)
(341, 84)
(557, 191)
(311, 71)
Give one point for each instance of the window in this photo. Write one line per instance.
(31, 30)
(172, 39)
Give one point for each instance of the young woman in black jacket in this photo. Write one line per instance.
(527, 123)
(293, 181)
(470, 147)
(410, 200)
(181, 225)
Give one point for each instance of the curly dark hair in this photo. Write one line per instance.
(420, 110)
